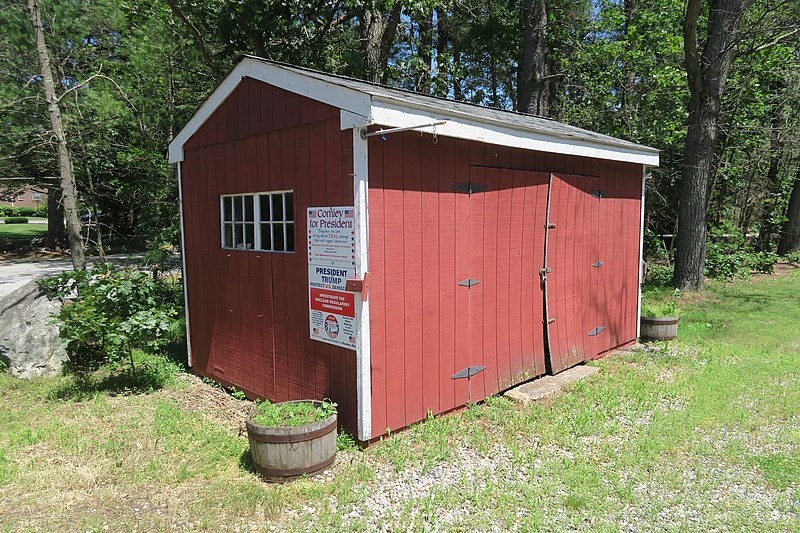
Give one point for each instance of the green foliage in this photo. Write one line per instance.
(794, 256)
(237, 394)
(14, 211)
(292, 413)
(657, 303)
(41, 211)
(16, 220)
(110, 311)
(659, 275)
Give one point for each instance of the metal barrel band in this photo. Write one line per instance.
(288, 473)
(299, 437)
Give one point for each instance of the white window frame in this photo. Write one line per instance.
(259, 221)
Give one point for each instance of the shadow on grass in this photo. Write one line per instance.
(153, 372)
(246, 462)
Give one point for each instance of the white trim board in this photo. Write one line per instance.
(183, 272)
(363, 352)
(394, 115)
(361, 109)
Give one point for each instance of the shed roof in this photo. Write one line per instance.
(364, 103)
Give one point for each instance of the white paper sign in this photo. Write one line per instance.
(331, 262)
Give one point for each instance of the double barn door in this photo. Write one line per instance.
(533, 275)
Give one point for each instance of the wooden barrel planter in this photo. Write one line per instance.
(284, 453)
(659, 328)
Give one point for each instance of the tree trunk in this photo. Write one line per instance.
(378, 36)
(69, 193)
(56, 233)
(707, 72)
(790, 233)
(443, 69)
(425, 51)
(532, 82)
(769, 225)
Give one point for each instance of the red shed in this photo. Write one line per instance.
(398, 253)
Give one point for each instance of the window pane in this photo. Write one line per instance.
(277, 207)
(290, 237)
(249, 236)
(239, 235)
(237, 208)
(248, 208)
(289, 206)
(264, 199)
(228, 235)
(228, 208)
(277, 237)
(266, 237)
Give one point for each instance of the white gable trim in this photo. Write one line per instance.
(389, 113)
(359, 109)
(335, 95)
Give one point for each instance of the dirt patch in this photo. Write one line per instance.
(780, 269)
(212, 400)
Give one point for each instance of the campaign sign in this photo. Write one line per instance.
(331, 236)
(331, 262)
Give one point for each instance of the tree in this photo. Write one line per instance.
(708, 62)
(533, 89)
(69, 198)
(790, 232)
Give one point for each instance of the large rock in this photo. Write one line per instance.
(29, 341)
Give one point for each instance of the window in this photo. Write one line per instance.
(261, 221)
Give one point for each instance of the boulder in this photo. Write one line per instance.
(30, 344)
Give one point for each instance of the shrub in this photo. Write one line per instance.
(292, 413)
(26, 211)
(660, 303)
(109, 311)
(737, 264)
(8, 211)
(793, 256)
(16, 220)
(659, 275)
(41, 211)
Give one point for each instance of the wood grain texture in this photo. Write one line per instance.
(248, 309)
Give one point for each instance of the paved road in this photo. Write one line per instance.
(16, 273)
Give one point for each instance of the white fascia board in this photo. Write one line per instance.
(350, 100)
(389, 113)
(645, 171)
(183, 271)
(363, 354)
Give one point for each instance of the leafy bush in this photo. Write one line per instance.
(793, 257)
(8, 211)
(737, 264)
(109, 311)
(16, 220)
(660, 303)
(659, 275)
(292, 413)
(26, 211)
(41, 211)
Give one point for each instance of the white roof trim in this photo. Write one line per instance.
(359, 109)
(388, 113)
(350, 100)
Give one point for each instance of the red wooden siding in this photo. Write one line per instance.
(424, 238)
(248, 309)
(255, 108)
(582, 297)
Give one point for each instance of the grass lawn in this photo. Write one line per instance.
(700, 434)
(21, 234)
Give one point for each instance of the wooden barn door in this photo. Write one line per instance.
(573, 270)
(504, 220)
